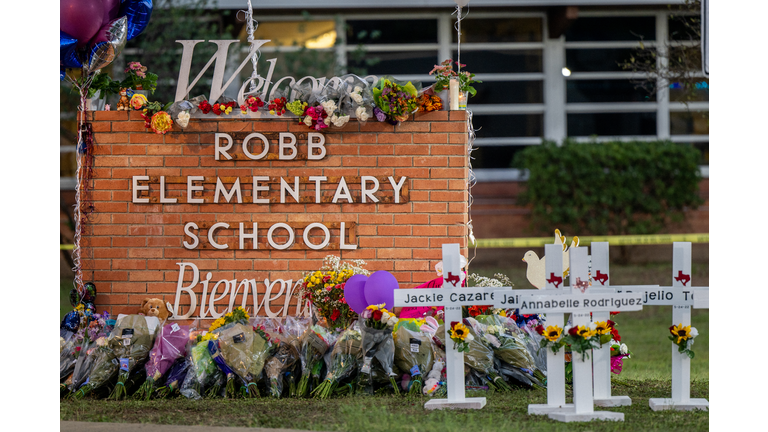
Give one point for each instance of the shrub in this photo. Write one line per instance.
(610, 188)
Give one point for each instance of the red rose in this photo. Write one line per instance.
(335, 315)
(615, 335)
(611, 324)
(539, 329)
(377, 315)
(474, 311)
(573, 331)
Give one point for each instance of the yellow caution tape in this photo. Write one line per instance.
(625, 240)
(67, 247)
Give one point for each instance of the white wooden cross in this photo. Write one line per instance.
(601, 360)
(682, 299)
(580, 303)
(452, 297)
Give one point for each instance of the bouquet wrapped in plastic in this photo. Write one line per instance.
(170, 345)
(203, 376)
(245, 351)
(137, 336)
(358, 98)
(173, 378)
(314, 344)
(414, 352)
(509, 348)
(480, 358)
(285, 357)
(344, 358)
(395, 100)
(229, 375)
(376, 325)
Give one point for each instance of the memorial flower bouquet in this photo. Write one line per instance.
(314, 343)
(170, 345)
(316, 118)
(203, 376)
(683, 337)
(377, 343)
(414, 352)
(174, 378)
(479, 356)
(460, 336)
(137, 338)
(324, 288)
(215, 352)
(552, 337)
(285, 357)
(346, 353)
(444, 73)
(394, 100)
(277, 106)
(619, 352)
(252, 103)
(582, 339)
(137, 78)
(245, 350)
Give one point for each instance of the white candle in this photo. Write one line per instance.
(454, 94)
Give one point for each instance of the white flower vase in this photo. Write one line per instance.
(96, 103)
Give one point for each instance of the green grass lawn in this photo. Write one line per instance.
(647, 374)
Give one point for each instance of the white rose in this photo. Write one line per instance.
(358, 89)
(694, 332)
(469, 338)
(329, 106)
(308, 121)
(357, 98)
(361, 114)
(327, 121)
(623, 349)
(392, 321)
(385, 316)
(183, 119)
(340, 121)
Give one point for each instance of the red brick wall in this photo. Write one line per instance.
(131, 250)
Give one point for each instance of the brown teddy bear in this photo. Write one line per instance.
(154, 307)
(124, 104)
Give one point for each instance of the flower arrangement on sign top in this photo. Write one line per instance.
(460, 336)
(379, 318)
(444, 73)
(277, 106)
(582, 339)
(683, 337)
(252, 103)
(138, 78)
(394, 101)
(155, 117)
(324, 288)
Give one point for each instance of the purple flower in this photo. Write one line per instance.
(380, 116)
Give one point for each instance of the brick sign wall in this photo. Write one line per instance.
(157, 198)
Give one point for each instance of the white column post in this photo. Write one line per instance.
(662, 85)
(582, 365)
(555, 120)
(681, 364)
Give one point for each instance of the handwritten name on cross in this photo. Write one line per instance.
(452, 297)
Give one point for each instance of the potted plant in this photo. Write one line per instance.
(444, 74)
(137, 78)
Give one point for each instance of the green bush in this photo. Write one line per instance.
(610, 188)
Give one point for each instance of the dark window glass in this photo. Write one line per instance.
(597, 60)
(612, 29)
(606, 91)
(612, 124)
(684, 27)
(391, 62)
(500, 30)
(701, 92)
(689, 123)
(508, 125)
(391, 31)
(703, 148)
(495, 157)
(502, 61)
(508, 92)
(683, 59)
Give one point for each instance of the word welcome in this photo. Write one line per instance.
(275, 290)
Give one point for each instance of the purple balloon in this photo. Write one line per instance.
(380, 288)
(81, 19)
(353, 293)
(111, 10)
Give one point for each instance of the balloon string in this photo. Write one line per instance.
(471, 181)
(250, 27)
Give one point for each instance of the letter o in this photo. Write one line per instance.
(325, 230)
(260, 155)
(291, 238)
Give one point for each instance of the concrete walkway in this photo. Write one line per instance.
(73, 426)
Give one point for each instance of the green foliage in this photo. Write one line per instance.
(612, 188)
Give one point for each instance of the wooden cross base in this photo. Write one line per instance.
(466, 403)
(585, 417)
(661, 404)
(613, 401)
(544, 409)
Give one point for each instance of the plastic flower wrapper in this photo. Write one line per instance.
(285, 357)
(170, 345)
(215, 351)
(479, 357)
(86, 358)
(173, 378)
(414, 351)
(136, 337)
(510, 349)
(245, 351)
(378, 345)
(203, 374)
(314, 344)
(358, 98)
(344, 358)
(396, 99)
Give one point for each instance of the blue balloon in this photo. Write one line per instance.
(68, 57)
(62, 74)
(138, 13)
(71, 321)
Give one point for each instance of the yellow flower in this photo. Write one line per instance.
(602, 327)
(373, 307)
(459, 331)
(586, 332)
(552, 333)
(682, 333)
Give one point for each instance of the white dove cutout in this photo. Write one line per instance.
(535, 271)
(462, 263)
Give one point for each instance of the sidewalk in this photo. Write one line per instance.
(72, 426)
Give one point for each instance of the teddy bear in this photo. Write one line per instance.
(154, 307)
(124, 104)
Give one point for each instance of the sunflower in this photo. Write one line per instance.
(586, 332)
(680, 332)
(459, 331)
(552, 333)
(602, 327)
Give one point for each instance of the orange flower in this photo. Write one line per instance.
(161, 122)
